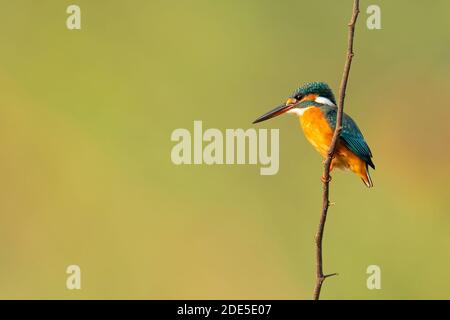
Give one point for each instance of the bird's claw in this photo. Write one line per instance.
(324, 180)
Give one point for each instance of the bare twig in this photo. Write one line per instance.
(320, 277)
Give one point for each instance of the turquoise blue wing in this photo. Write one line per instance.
(350, 135)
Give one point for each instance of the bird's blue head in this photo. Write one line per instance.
(314, 90)
(305, 96)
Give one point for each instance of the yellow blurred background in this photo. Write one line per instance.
(86, 176)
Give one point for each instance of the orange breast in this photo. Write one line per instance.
(316, 129)
(319, 134)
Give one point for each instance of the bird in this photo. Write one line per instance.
(315, 105)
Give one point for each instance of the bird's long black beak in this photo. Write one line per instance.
(275, 112)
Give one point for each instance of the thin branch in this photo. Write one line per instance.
(320, 277)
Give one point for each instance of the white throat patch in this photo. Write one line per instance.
(324, 100)
(298, 111)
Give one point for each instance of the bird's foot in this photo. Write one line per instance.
(324, 180)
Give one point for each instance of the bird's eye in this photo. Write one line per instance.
(299, 97)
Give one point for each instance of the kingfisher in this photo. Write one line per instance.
(315, 105)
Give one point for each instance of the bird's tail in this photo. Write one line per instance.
(365, 177)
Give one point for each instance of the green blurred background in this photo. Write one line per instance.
(87, 179)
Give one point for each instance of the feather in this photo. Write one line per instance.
(350, 134)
